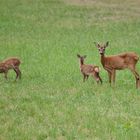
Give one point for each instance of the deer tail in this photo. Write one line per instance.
(96, 69)
(137, 58)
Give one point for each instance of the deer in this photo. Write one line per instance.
(127, 60)
(10, 63)
(87, 70)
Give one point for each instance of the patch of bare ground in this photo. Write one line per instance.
(108, 2)
(105, 10)
(80, 2)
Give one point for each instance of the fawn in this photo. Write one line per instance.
(87, 70)
(10, 63)
(118, 62)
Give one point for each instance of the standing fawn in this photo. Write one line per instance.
(118, 62)
(11, 63)
(87, 70)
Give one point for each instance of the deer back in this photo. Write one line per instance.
(11, 62)
(120, 61)
(87, 69)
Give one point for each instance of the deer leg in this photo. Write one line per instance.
(137, 77)
(135, 74)
(137, 83)
(94, 74)
(87, 77)
(97, 77)
(84, 77)
(113, 76)
(109, 76)
(17, 73)
(100, 79)
(132, 68)
(5, 74)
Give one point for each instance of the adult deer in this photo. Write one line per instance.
(118, 62)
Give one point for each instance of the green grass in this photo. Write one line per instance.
(51, 102)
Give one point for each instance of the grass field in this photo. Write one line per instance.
(51, 102)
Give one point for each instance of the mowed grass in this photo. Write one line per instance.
(51, 102)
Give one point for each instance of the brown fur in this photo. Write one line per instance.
(10, 63)
(87, 70)
(118, 62)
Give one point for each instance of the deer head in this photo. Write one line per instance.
(102, 48)
(81, 58)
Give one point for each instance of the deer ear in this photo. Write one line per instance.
(97, 45)
(78, 55)
(107, 43)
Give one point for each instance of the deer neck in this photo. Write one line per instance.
(81, 63)
(103, 59)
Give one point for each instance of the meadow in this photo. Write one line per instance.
(51, 102)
